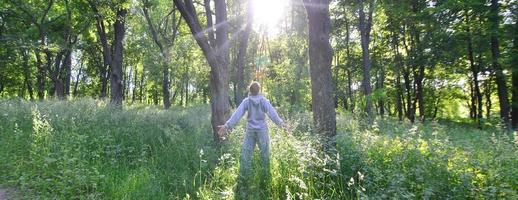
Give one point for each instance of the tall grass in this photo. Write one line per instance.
(85, 150)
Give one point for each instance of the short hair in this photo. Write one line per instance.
(254, 88)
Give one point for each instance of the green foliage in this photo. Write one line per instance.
(85, 150)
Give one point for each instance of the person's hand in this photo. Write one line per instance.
(286, 128)
(222, 130)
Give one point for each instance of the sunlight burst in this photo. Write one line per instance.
(268, 15)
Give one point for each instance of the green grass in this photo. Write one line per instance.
(85, 150)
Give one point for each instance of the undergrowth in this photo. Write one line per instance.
(85, 150)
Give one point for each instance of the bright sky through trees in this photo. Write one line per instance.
(268, 15)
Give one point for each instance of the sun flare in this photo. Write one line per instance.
(268, 15)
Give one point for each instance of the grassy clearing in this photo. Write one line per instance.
(84, 150)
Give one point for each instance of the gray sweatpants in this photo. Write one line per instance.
(253, 137)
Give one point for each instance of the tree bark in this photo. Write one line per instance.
(487, 93)
(67, 70)
(79, 73)
(399, 63)
(514, 66)
(320, 55)
(241, 52)
(165, 65)
(116, 87)
(476, 96)
(216, 55)
(495, 56)
(112, 54)
(381, 80)
(349, 105)
(365, 24)
(27, 73)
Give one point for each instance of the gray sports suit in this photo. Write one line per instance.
(256, 130)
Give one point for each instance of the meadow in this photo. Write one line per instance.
(83, 149)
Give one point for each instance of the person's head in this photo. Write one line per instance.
(254, 88)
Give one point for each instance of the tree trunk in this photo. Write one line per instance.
(320, 55)
(495, 56)
(216, 54)
(27, 73)
(410, 112)
(349, 105)
(365, 27)
(487, 93)
(399, 63)
(54, 76)
(67, 70)
(381, 80)
(40, 76)
(76, 84)
(514, 66)
(165, 53)
(135, 78)
(476, 96)
(350, 90)
(112, 54)
(141, 85)
(420, 93)
(241, 52)
(116, 87)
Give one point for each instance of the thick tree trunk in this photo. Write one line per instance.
(216, 54)
(365, 27)
(116, 87)
(320, 55)
(495, 56)
(59, 91)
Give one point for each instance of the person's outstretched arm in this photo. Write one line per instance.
(236, 116)
(272, 113)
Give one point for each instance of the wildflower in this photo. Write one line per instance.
(351, 182)
(360, 176)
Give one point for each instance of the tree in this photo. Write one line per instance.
(514, 66)
(320, 57)
(112, 53)
(40, 21)
(215, 47)
(495, 56)
(164, 41)
(365, 26)
(243, 36)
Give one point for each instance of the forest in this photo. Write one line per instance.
(122, 99)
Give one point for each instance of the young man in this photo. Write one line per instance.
(256, 105)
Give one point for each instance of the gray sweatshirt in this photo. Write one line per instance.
(256, 106)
